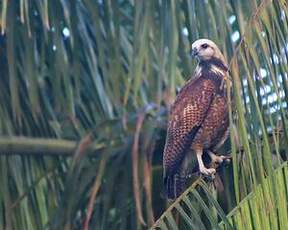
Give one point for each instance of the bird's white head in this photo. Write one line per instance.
(205, 49)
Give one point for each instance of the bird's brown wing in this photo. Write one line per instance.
(186, 116)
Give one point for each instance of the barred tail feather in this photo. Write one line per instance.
(174, 185)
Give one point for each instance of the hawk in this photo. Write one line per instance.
(198, 119)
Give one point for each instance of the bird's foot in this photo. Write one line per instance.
(208, 172)
(219, 159)
(226, 159)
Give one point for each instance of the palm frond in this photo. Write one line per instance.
(255, 211)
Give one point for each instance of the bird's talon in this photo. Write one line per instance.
(208, 172)
(209, 176)
(212, 176)
(227, 159)
(218, 159)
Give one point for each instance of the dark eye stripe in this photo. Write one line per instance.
(204, 46)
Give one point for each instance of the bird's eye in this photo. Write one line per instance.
(204, 46)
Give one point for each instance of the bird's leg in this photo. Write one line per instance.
(202, 167)
(217, 159)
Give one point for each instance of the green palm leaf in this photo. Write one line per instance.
(251, 213)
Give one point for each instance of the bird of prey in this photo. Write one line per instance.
(198, 119)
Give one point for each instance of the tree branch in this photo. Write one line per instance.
(41, 146)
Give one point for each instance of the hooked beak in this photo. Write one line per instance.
(194, 52)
